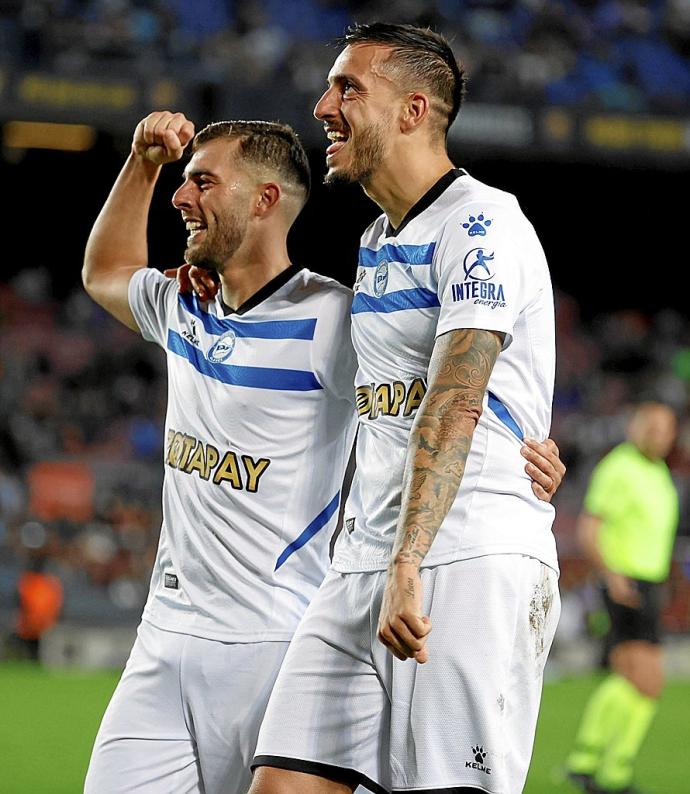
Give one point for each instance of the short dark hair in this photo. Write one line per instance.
(266, 143)
(424, 54)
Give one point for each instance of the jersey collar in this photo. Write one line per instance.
(265, 292)
(426, 200)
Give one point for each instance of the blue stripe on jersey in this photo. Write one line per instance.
(273, 329)
(233, 375)
(318, 523)
(418, 298)
(407, 254)
(504, 415)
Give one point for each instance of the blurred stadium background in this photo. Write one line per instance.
(580, 107)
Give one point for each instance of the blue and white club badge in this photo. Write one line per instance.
(476, 225)
(222, 348)
(381, 279)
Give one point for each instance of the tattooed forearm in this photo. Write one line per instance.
(441, 436)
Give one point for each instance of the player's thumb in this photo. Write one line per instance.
(422, 656)
(419, 626)
(155, 153)
(426, 626)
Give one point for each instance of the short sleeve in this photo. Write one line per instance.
(478, 269)
(151, 298)
(604, 485)
(333, 356)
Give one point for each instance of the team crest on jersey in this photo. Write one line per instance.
(479, 285)
(222, 348)
(476, 225)
(381, 279)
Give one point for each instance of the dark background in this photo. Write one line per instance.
(613, 235)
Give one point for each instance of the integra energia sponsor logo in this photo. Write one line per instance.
(479, 285)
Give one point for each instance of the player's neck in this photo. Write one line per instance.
(248, 271)
(400, 182)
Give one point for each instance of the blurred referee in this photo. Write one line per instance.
(627, 530)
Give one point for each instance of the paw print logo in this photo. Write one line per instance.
(476, 225)
(479, 754)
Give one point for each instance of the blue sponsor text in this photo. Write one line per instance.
(481, 292)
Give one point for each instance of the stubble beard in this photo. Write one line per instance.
(219, 246)
(367, 155)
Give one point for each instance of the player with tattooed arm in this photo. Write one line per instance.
(418, 665)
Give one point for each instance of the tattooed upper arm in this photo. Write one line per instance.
(460, 367)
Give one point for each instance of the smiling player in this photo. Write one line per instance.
(260, 421)
(258, 433)
(449, 560)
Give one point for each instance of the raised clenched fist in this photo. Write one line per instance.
(162, 136)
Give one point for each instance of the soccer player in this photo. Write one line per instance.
(259, 427)
(447, 557)
(627, 529)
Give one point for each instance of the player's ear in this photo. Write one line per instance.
(415, 111)
(269, 196)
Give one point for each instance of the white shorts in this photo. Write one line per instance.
(344, 708)
(184, 717)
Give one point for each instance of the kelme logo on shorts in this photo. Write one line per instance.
(479, 754)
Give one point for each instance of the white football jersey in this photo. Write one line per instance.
(465, 256)
(259, 428)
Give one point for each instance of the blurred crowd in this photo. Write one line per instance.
(625, 55)
(82, 403)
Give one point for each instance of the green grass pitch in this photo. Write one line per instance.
(49, 719)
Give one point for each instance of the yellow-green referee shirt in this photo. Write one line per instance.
(638, 504)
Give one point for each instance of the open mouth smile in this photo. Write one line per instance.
(194, 230)
(338, 137)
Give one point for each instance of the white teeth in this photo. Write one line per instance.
(334, 135)
(194, 226)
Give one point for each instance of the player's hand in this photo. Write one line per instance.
(402, 627)
(622, 590)
(544, 466)
(162, 136)
(194, 279)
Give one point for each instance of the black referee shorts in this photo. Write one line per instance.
(641, 623)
